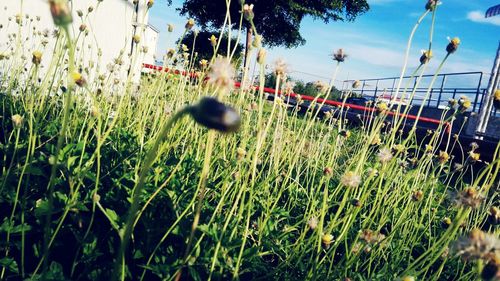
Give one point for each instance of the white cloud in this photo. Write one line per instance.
(478, 16)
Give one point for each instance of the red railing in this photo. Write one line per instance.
(310, 98)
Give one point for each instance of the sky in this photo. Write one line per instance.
(376, 41)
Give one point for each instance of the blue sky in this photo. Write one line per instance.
(376, 41)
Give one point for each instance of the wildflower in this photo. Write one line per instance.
(248, 12)
(213, 40)
(184, 48)
(170, 53)
(382, 106)
(261, 56)
(339, 56)
(468, 197)
(17, 121)
(203, 63)
(399, 148)
(478, 245)
(384, 155)
(474, 156)
(78, 79)
(473, 146)
(241, 153)
(37, 57)
(428, 148)
(426, 56)
(494, 215)
(327, 239)
(446, 222)
(280, 67)
(61, 13)
(356, 203)
(452, 103)
(376, 140)
(345, 133)
(221, 73)
(350, 179)
(491, 271)
(431, 5)
(443, 157)
(189, 24)
(257, 41)
(320, 86)
(371, 237)
(453, 45)
(213, 114)
(356, 84)
(417, 195)
(327, 171)
(312, 222)
(150, 3)
(170, 27)
(96, 197)
(464, 104)
(136, 38)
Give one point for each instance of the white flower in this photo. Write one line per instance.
(280, 67)
(350, 179)
(221, 73)
(384, 155)
(312, 222)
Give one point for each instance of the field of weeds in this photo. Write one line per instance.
(189, 178)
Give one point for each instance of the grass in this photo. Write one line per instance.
(103, 180)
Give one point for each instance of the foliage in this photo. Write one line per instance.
(278, 22)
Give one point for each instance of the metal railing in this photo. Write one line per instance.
(439, 93)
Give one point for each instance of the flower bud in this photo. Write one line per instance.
(248, 12)
(189, 24)
(213, 40)
(453, 45)
(61, 13)
(213, 114)
(17, 121)
(150, 3)
(136, 38)
(261, 56)
(425, 57)
(37, 57)
(170, 27)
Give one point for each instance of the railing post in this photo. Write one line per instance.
(430, 98)
(441, 90)
(477, 92)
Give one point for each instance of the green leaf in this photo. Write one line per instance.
(10, 264)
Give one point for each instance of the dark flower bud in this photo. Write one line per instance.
(213, 114)
(61, 13)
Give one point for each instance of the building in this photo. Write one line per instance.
(104, 32)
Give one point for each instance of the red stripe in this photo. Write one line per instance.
(319, 100)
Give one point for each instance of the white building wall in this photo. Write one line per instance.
(111, 26)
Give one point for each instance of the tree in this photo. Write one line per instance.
(277, 21)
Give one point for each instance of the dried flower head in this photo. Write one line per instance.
(453, 45)
(473, 156)
(350, 179)
(339, 55)
(213, 114)
(469, 197)
(384, 155)
(345, 133)
(371, 237)
(170, 27)
(356, 84)
(494, 215)
(280, 67)
(150, 3)
(221, 74)
(417, 195)
(313, 222)
(478, 245)
(432, 4)
(382, 106)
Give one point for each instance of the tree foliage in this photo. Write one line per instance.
(277, 21)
